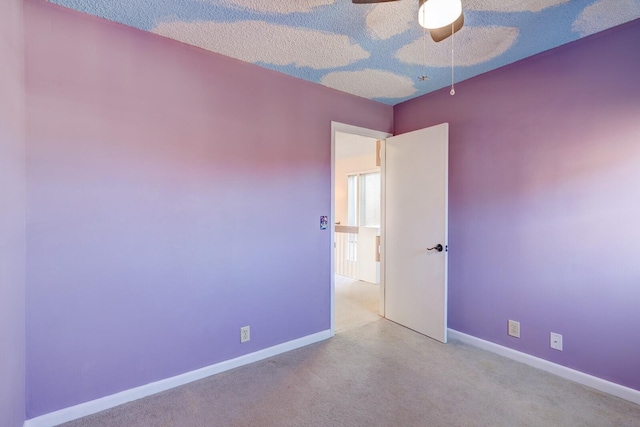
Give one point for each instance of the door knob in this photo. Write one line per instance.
(437, 247)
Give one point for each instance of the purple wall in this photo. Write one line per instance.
(174, 196)
(12, 213)
(545, 202)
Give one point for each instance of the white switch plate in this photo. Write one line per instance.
(514, 329)
(245, 334)
(556, 341)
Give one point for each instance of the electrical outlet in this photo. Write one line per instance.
(514, 329)
(245, 334)
(556, 341)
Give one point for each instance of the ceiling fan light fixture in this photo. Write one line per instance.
(438, 13)
(439, 34)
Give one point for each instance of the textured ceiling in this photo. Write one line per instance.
(374, 51)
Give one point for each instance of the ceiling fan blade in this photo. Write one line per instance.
(370, 1)
(439, 34)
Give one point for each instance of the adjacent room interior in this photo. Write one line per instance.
(357, 219)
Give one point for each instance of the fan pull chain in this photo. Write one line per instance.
(453, 90)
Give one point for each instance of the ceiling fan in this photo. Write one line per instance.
(442, 18)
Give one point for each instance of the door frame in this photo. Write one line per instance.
(370, 133)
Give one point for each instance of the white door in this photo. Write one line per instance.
(415, 219)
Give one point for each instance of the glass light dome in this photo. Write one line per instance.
(438, 13)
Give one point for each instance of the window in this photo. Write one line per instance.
(352, 200)
(363, 199)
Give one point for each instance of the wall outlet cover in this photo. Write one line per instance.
(555, 341)
(245, 334)
(514, 329)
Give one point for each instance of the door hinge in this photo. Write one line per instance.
(378, 153)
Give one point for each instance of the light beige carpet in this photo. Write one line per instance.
(357, 303)
(379, 374)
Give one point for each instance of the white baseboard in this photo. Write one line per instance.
(82, 410)
(605, 386)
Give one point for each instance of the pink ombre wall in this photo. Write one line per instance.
(12, 213)
(174, 196)
(545, 202)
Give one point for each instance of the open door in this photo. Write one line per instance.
(415, 230)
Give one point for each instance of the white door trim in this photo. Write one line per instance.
(355, 130)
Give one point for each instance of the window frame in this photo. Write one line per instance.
(358, 198)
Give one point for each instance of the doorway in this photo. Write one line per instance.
(413, 244)
(356, 288)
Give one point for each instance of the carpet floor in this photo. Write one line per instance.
(379, 374)
(357, 303)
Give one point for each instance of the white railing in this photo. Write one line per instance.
(356, 253)
(346, 253)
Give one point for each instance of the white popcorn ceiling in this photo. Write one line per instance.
(370, 83)
(373, 51)
(257, 41)
(512, 5)
(275, 6)
(390, 19)
(605, 14)
(471, 46)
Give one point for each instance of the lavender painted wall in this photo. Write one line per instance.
(12, 212)
(174, 196)
(545, 202)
